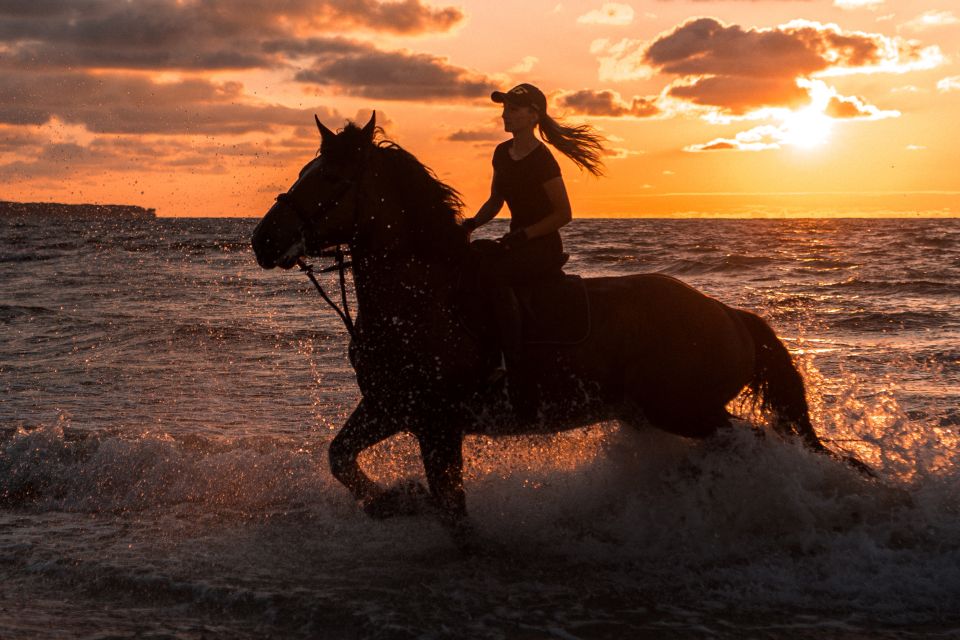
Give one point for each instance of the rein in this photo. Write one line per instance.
(341, 266)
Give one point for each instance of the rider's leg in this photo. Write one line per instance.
(499, 273)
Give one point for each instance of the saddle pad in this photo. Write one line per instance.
(556, 311)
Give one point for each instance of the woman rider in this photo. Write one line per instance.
(527, 177)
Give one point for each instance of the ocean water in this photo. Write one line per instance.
(166, 407)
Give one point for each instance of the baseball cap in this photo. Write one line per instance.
(522, 95)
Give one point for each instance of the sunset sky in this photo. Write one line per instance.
(732, 107)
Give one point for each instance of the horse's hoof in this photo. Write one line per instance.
(404, 499)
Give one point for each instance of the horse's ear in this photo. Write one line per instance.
(325, 134)
(368, 129)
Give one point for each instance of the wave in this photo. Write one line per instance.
(722, 264)
(892, 320)
(56, 468)
(623, 516)
(921, 287)
(23, 258)
(823, 265)
(16, 312)
(756, 523)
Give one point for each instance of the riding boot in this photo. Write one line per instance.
(508, 316)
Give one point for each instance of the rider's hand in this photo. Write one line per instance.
(470, 224)
(514, 239)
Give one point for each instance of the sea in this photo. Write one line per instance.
(166, 408)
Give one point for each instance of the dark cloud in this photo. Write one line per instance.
(706, 46)
(17, 138)
(73, 95)
(403, 16)
(607, 103)
(308, 47)
(71, 60)
(116, 103)
(209, 34)
(396, 75)
(42, 158)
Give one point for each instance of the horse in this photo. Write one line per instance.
(659, 352)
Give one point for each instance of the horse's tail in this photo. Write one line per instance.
(776, 384)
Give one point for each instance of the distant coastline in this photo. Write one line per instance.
(75, 210)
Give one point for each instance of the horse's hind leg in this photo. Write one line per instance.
(362, 430)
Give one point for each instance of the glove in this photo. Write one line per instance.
(514, 239)
(470, 224)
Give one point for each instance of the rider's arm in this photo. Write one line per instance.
(490, 208)
(561, 213)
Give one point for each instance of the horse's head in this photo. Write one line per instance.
(319, 210)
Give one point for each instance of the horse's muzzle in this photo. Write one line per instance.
(275, 246)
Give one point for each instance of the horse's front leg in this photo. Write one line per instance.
(362, 430)
(442, 452)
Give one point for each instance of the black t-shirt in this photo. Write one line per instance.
(520, 183)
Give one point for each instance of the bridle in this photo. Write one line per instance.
(341, 264)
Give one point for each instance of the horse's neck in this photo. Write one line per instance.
(396, 279)
(395, 286)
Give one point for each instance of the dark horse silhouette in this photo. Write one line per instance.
(659, 351)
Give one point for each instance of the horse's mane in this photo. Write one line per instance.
(431, 208)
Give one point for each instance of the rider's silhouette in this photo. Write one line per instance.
(527, 178)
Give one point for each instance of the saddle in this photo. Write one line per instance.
(556, 311)
(553, 311)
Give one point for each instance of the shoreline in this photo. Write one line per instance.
(57, 209)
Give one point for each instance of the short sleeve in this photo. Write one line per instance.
(499, 154)
(548, 167)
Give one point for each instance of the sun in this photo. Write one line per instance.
(807, 128)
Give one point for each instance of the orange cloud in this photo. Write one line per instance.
(736, 69)
(852, 107)
(737, 96)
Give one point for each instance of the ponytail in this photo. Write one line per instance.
(580, 143)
